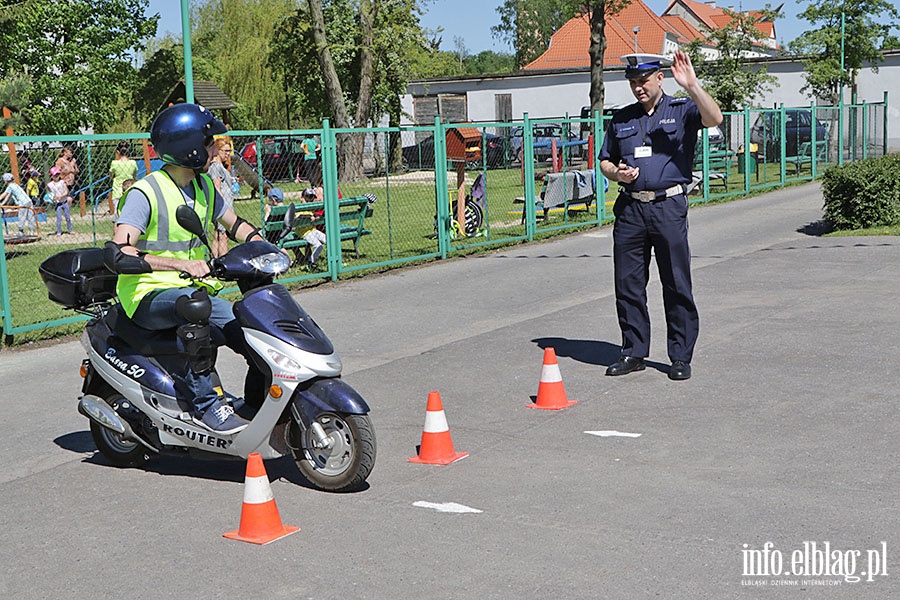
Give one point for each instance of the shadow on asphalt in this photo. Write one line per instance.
(231, 469)
(592, 352)
(816, 228)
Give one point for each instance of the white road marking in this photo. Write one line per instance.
(448, 507)
(613, 433)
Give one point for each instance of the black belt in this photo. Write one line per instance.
(650, 195)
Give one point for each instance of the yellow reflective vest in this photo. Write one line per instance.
(164, 236)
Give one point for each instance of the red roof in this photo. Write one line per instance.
(715, 18)
(686, 30)
(569, 47)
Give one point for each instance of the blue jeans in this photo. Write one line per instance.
(63, 210)
(157, 311)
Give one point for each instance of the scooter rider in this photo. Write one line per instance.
(150, 252)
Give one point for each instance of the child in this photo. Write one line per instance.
(14, 194)
(121, 169)
(60, 193)
(30, 181)
(275, 198)
(313, 236)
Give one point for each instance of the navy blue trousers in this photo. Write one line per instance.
(660, 226)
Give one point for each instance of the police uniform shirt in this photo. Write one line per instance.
(671, 134)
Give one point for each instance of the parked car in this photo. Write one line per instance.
(280, 157)
(798, 124)
(544, 134)
(421, 155)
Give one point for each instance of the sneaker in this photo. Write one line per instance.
(220, 418)
(241, 408)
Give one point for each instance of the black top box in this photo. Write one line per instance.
(78, 278)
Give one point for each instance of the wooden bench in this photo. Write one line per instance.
(720, 161)
(352, 213)
(804, 155)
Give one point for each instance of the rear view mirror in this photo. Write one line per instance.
(190, 221)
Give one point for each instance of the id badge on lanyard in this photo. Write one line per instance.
(643, 152)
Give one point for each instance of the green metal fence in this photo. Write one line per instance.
(418, 175)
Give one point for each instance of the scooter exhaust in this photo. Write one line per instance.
(97, 410)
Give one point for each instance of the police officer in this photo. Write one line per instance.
(150, 251)
(649, 150)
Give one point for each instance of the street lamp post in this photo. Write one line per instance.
(188, 64)
(841, 99)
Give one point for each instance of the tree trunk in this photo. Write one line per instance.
(597, 50)
(395, 142)
(352, 148)
(333, 90)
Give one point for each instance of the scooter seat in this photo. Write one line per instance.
(148, 342)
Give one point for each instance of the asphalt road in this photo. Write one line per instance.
(787, 435)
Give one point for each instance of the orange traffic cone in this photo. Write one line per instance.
(437, 446)
(260, 521)
(551, 391)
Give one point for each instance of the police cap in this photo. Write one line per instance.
(641, 65)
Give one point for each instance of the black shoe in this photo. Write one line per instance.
(626, 365)
(680, 370)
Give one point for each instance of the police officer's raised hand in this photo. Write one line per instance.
(683, 70)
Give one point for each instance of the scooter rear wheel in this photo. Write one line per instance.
(346, 463)
(111, 444)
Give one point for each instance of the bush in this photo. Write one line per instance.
(863, 194)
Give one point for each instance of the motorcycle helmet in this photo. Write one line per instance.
(181, 134)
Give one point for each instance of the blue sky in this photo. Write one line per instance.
(472, 20)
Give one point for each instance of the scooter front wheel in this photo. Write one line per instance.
(343, 459)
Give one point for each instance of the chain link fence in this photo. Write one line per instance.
(430, 191)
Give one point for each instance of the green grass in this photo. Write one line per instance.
(403, 226)
(869, 231)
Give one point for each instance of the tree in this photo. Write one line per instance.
(349, 149)
(599, 11)
(77, 54)
(159, 73)
(231, 40)
(349, 57)
(527, 25)
(13, 94)
(729, 78)
(460, 50)
(488, 61)
(868, 25)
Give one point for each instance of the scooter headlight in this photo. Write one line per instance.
(273, 263)
(284, 361)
